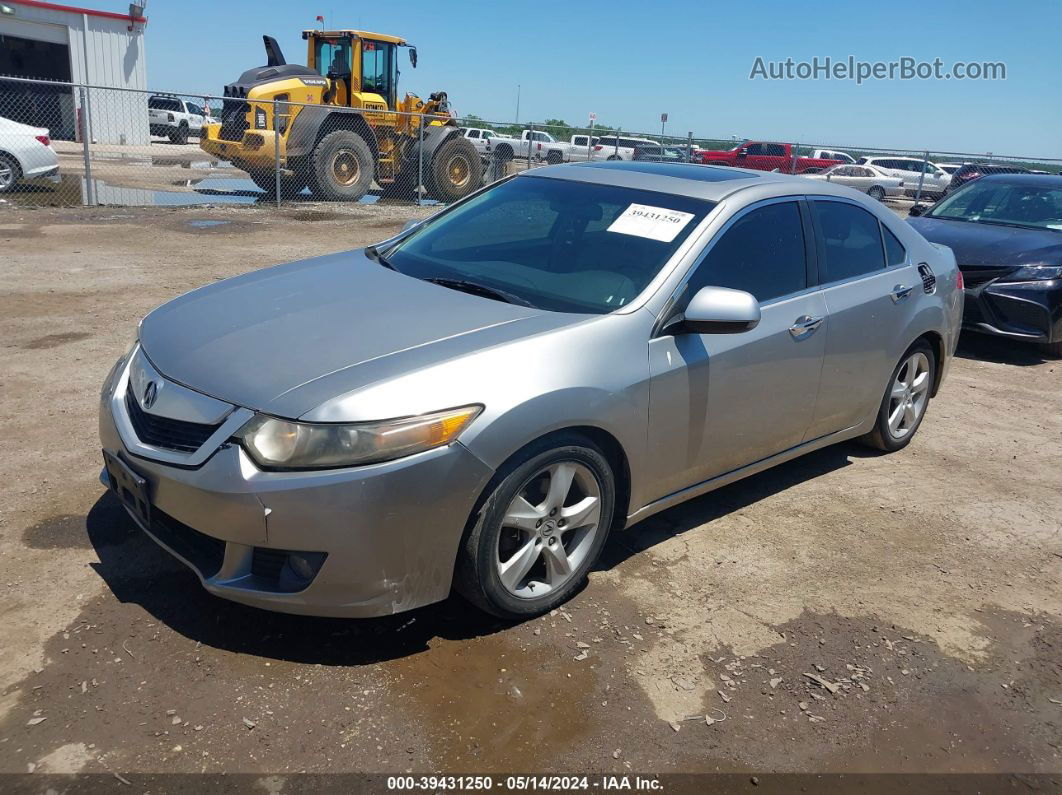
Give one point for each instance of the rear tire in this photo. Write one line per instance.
(557, 558)
(1053, 350)
(876, 192)
(342, 167)
(10, 172)
(906, 399)
(503, 152)
(455, 170)
(180, 135)
(554, 158)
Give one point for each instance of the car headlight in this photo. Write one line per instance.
(112, 377)
(1034, 273)
(282, 444)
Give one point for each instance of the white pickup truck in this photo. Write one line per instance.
(532, 144)
(482, 138)
(176, 118)
(540, 145)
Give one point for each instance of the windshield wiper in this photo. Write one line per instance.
(373, 254)
(1015, 224)
(475, 288)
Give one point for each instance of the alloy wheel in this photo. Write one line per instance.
(7, 175)
(908, 395)
(548, 529)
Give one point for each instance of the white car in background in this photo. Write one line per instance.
(949, 168)
(831, 154)
(868, 179)
(611, 147)
(936, 180)
(25, 153)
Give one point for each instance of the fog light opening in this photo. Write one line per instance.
(299, 570)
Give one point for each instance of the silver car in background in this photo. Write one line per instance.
(477, 402)
(869, 180)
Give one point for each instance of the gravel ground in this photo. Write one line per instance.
(843, 612)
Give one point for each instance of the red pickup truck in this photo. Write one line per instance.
(764, 157)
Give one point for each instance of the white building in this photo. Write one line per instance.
(53, 42)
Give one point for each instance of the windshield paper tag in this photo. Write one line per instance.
(655, 223)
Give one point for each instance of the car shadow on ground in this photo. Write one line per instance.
(138, 571)
(1000, 350)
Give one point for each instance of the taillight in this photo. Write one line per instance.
(597, 147)
(44, 139)
(959, 283)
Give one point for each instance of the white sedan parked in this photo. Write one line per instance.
(872, 181)
(25, 153)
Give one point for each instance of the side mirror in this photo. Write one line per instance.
(916, 210)
(720, 310)
(743, 152)
(413, 57)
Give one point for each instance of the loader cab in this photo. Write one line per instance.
(358, 62)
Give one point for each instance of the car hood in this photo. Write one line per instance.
(283, 340)
(991, 245)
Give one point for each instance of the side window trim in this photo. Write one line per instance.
(820, 240)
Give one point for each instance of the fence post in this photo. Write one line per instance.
(792, 165)
(420, 161)
(530, 143)
(276, 150)
(921, 177)
(86, 136)
(689, 146)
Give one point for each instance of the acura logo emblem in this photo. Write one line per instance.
(151, 392)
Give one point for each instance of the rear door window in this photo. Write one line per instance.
(762, 253)
(850, 243)
(895, 253)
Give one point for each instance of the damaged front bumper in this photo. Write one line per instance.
(387, 533)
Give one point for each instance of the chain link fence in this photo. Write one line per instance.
(64, 144)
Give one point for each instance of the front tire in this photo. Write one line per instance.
(540, 530)
(455, 170)
(342, 167)
(906, 399)
(877, 192)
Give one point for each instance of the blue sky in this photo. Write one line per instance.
(629, 61)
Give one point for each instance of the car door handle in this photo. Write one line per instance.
(805, 325)
(899, 292)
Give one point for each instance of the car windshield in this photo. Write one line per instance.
(553, 244)
(1012, 204)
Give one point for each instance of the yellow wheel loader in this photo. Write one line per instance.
(301, 118)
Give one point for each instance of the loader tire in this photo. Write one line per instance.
(342, 167)
(291, 185)
(455, 170)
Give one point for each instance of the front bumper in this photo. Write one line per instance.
(1029, 311)
(256, 149)
(390, 531)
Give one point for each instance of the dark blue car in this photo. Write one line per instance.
(1006, 232)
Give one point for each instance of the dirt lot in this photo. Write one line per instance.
(844, 612)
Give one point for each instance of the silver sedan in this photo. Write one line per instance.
(478, 402)
(868, 179)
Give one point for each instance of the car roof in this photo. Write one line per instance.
(711, 183)
(1052, 180)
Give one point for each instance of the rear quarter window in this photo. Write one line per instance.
(850, 241)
